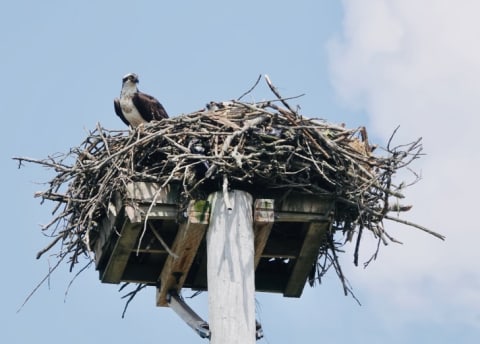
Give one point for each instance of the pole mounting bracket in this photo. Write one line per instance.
(193, 320)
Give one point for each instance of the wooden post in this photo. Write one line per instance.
(230, 269)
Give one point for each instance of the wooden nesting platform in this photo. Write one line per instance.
(289, 232)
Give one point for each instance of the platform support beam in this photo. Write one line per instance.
(315, 236)
(263, 219)
(230, 269)
(185, 246)
(188, 315)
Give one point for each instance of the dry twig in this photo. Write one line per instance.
(256, 147)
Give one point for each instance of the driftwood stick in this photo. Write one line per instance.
(49, 246)
(251, 88)
(56, 166)
(275, 91)
(412, 224)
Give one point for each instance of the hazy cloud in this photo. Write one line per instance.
(417, 65)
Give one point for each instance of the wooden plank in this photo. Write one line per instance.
(304, 208)
(306, 204)
(263, 219)
(159, 212)
(137, 213)
(106, 230)
(290, 216)
(230, 269)
(148, 192)
(185, 246)
(121, 252)
(140, 196)
(200, 278)
(316, 234)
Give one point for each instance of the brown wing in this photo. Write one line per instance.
(118, 111)
(149, 107)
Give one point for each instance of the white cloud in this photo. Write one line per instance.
(417, 64)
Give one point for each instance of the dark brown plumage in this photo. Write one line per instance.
(135, 107)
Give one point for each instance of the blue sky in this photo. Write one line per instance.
(383, 63)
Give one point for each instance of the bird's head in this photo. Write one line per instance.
(130, 78)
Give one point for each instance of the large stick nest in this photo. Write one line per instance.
(258, 147)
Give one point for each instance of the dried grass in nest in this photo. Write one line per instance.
(258, 147)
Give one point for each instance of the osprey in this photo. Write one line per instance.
(135, 107)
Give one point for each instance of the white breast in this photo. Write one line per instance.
(130, 111)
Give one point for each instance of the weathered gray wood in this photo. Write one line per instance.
(290, 216)
(141, 195)
(230, 270)
(306, 204)
(185, 246)
(159, 211)
(148, 192)
(316, 234)
(303, 208)
(137, 213)
(121, 252)
(263, 219)
(291, 239)
(107, 228)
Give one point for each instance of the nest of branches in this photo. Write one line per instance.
(257, 147)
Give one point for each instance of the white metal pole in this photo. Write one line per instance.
(230, 269)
